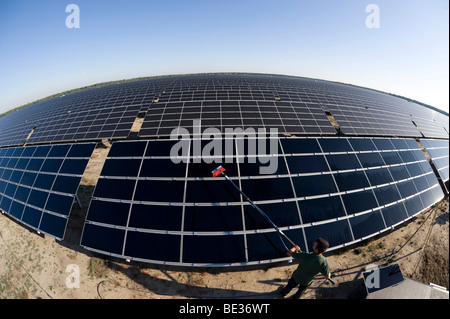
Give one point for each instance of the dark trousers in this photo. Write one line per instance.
(290, 285)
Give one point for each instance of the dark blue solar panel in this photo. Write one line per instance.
(114, 188)
(32, 216)
(319, 209)
(336, 233)
(335, 145)
(213, 218)
(394, 214)
(367, 224)
(163, 217)
(343, 162)
(159, 191)
(38, 184)
(351, 180)
(163, 168)
(370, 160)
(231, 249)
(438, 150)
(109, 212)
(127, 149)
(61, 204)
(103, 238)
(54, 225)
(298, 146)
(169, 251)
(314, 185)
(306, 164)
(213, 191)
(121, 167)
(269, 245)
(341, 189)
(282, 214)
(387, 194)
(268, 189)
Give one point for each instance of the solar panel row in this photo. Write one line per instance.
(286, 117)
(104, 112)
(438, 151)
(292, 105)
(346, 188)
(38, 183)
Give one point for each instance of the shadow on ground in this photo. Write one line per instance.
(153, 287)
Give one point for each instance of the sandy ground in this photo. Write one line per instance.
(36, 266)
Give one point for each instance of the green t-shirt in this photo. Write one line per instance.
(309, 266)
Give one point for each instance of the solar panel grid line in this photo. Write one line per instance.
(129, 211)
(295, 195)
(197, 233)
(183, 212)
(337, 188)
(242, 208)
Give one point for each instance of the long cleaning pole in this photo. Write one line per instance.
(220, 170)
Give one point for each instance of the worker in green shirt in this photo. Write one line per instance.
(310, 264)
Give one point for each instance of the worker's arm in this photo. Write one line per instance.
(293, 250)
(326, 271)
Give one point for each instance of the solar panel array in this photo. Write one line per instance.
(104, 112)
(38, 184)
(346, 189)
(156, 200)
(438, 151)
(367, 112)
(222, 101)
(291, 105)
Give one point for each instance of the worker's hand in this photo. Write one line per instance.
(294, 249)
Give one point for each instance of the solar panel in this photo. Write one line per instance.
(38, 184)
(438, 151)
(344, 189)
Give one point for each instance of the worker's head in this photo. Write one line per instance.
(320, 246)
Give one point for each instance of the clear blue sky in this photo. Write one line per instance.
(327, 39)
